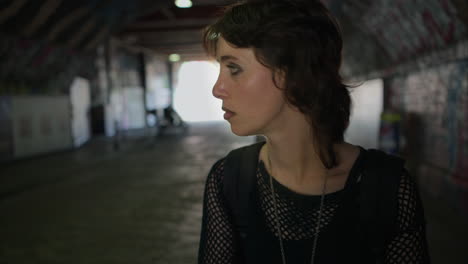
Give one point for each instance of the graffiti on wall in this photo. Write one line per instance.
(405, 29)
(34, 67)
(439, 96)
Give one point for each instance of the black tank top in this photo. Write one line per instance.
(340, 241)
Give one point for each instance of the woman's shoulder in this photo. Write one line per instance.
(214, 180)
(217, 169)
(376, 160)
(242, 155)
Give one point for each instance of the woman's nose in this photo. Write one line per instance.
(219, 89)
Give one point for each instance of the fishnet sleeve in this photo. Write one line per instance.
(217, 245)
(409, 245)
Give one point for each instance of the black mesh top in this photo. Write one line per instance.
(298, 216)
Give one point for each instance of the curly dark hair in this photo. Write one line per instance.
(302, 40)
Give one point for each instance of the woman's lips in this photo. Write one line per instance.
(228, 113)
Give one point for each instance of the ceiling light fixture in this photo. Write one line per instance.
(183, 3)
(174, 57)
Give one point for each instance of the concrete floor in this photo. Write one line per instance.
(141, 204)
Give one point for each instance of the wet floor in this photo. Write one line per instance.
(141, 204)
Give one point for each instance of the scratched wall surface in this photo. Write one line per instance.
(438, 97)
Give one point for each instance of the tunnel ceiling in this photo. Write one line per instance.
(174, 30)
(379, 35)
(80, 25)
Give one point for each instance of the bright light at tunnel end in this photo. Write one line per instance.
(183, 3)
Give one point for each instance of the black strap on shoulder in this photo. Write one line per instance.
(239, 179)
(378, 199)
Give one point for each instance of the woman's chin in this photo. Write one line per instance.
(242, 131)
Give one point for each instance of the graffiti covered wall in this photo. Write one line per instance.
(438, 96)
(126, 109)
(34, 67)
(396, 32)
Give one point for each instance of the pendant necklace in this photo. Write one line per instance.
(317, 227)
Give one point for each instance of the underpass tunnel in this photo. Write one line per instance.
(108, 125)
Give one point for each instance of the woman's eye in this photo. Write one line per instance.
(233, 69)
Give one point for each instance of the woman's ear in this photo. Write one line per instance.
(279, 79)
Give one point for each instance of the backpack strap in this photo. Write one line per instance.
(378, 199)
(239, 181)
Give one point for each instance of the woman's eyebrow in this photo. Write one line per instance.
(226, 57)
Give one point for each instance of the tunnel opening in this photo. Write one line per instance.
(192, 93)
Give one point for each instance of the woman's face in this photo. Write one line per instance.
(252, 102)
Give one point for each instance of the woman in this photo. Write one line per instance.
(279, 77)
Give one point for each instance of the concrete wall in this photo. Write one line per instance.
(34, 72)
(435, 102)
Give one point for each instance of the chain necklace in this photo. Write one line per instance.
(317, 228)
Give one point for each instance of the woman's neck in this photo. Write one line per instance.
(303, 172)
(291, 158)
(294, 159)
(290, 151)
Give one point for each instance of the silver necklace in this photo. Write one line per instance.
(317, 228)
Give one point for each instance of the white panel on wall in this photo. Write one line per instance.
(110, 119)
(134, 110)
(367, 107)
(80, 103)
(115, 119)
(40, 124)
